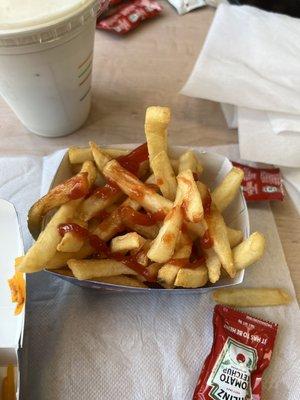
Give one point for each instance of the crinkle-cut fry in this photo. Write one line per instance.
(249, 251)
(213, 265)
(164, 175)
(235, 236)
(136, 189)
(122, 280)
(89, 269)
(168, 272)
(251, 297)
(78, 155)
(156, 121)
(226, 191)
(163, 245)
(218, 232)
(192, 202)
(76, 187)
(100, 156)
(188, 160)
(127, 242)
(45, 246)
(191, 277)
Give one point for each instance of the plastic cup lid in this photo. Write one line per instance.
(25, 22)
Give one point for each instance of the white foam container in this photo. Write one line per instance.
(46, 68)
(11, 326)
(236, 216)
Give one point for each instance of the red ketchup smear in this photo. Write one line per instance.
(179, 262)
(79, 186)
(135, 217)
(206, 241)
(158, 216)
(131, 162)
(207, 205)
(101, 215)
(196, 176)
(107, 191)
(74, 228)
(101, 247)
(197, 262)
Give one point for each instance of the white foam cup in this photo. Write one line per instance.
(46, 56)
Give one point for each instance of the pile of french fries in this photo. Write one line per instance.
(169, 249)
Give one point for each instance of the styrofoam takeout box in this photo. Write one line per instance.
(236, 216)
(11, 326)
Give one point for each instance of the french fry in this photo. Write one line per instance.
(226, 191)
(249, 251)
(191, 277)
(148, 232)
(127, 242)
(156, 121)
(141, 254)
(45, 246)
(77, 155)
(168, 272)
(95, 203)
(76, 187)
(188, 160)
(213, 265)
(100, 156)
(60, 259)
(251, 297)
(218, 232)
(89, 168)
(192, 202)
(88, 269)
(164, 175)
(72, 242)
(235, 236)
(136, 189)
(163, 245)
(122, 280)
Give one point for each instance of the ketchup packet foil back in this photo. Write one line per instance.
(240, 353)
(261, 183)
(129, 15)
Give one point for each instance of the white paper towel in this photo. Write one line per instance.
(83, 344)
(250, 62)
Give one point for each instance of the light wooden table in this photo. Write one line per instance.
(149, 67)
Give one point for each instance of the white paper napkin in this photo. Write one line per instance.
(250, 60)
(83, 344)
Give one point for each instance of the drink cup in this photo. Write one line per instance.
(46, 62)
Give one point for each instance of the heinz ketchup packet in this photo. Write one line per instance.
(129, 15)
(240, 353)
(261, 183)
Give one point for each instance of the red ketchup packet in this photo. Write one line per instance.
(240, 353)
(261, 183)
(129, 15)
